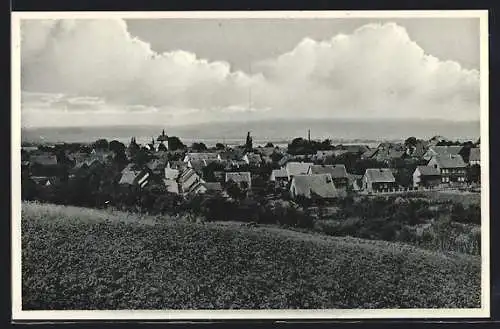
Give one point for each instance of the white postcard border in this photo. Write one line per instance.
(19, 314)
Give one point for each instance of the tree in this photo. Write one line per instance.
(141, 157)
(116, 147)
(269, 144)
(233, 190)
(411, 141)
(249, 143)
(162, 148)
(220, 146)
(174, 143)
(208, 171)
(325, 145)
(101, 144)
(199, 147)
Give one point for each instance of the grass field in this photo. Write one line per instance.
(464, 198)
(76, 258)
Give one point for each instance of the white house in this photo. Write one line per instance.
(376, 179)
(310, 186)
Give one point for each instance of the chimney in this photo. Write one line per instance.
(309, 135)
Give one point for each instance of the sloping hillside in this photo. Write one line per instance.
(76, 258)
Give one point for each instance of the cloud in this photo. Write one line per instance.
(377, 71)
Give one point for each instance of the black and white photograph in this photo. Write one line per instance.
(232, 165)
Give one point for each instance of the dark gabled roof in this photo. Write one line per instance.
(380, 175)
(213, 186)
(389, 154)
(254, 158)
(445, 150)
(297, 168)
(197, 165)
(370, 153)
(309, 185)
(356, 148)
(242, 176)
(428, 171)
(475, 154)
(279, 173)
(450, 161)
(336, 171)
(186, 174)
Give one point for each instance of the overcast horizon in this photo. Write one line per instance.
(178, 72)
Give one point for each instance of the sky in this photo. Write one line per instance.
(184, 71)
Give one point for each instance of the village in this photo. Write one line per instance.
(306, 169)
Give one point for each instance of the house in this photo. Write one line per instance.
(442, 151)
(213, 187)
(279, 177)
(369, 154)
(426, 176)
(267, 159)
(391, 146)
(252, 159)
(157, 166)
(241, 178)
(418, 150)
(475, 156)
(163, 139)
(133, 176)
(284, 160)
(231, 154)
(190, 182)
(179, 165)
(378, 179)
(171, 172)
(451, 167)
(313, 186)
(43, 180)
(202, 156)
(388, 155)
(219, 176)
(297, 168)
(197, 165)
(171, 185)
(322, 155)
(102, 156)
(337, 172)
(356, 149)
(235, 164)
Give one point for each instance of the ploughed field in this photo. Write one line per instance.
(77, 258)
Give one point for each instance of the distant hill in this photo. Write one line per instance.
(113, 260)
(268, 130)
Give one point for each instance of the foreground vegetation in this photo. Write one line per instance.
(75, 258)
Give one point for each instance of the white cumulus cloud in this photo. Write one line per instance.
(377, 71)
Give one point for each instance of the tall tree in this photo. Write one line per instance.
(249, 143)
